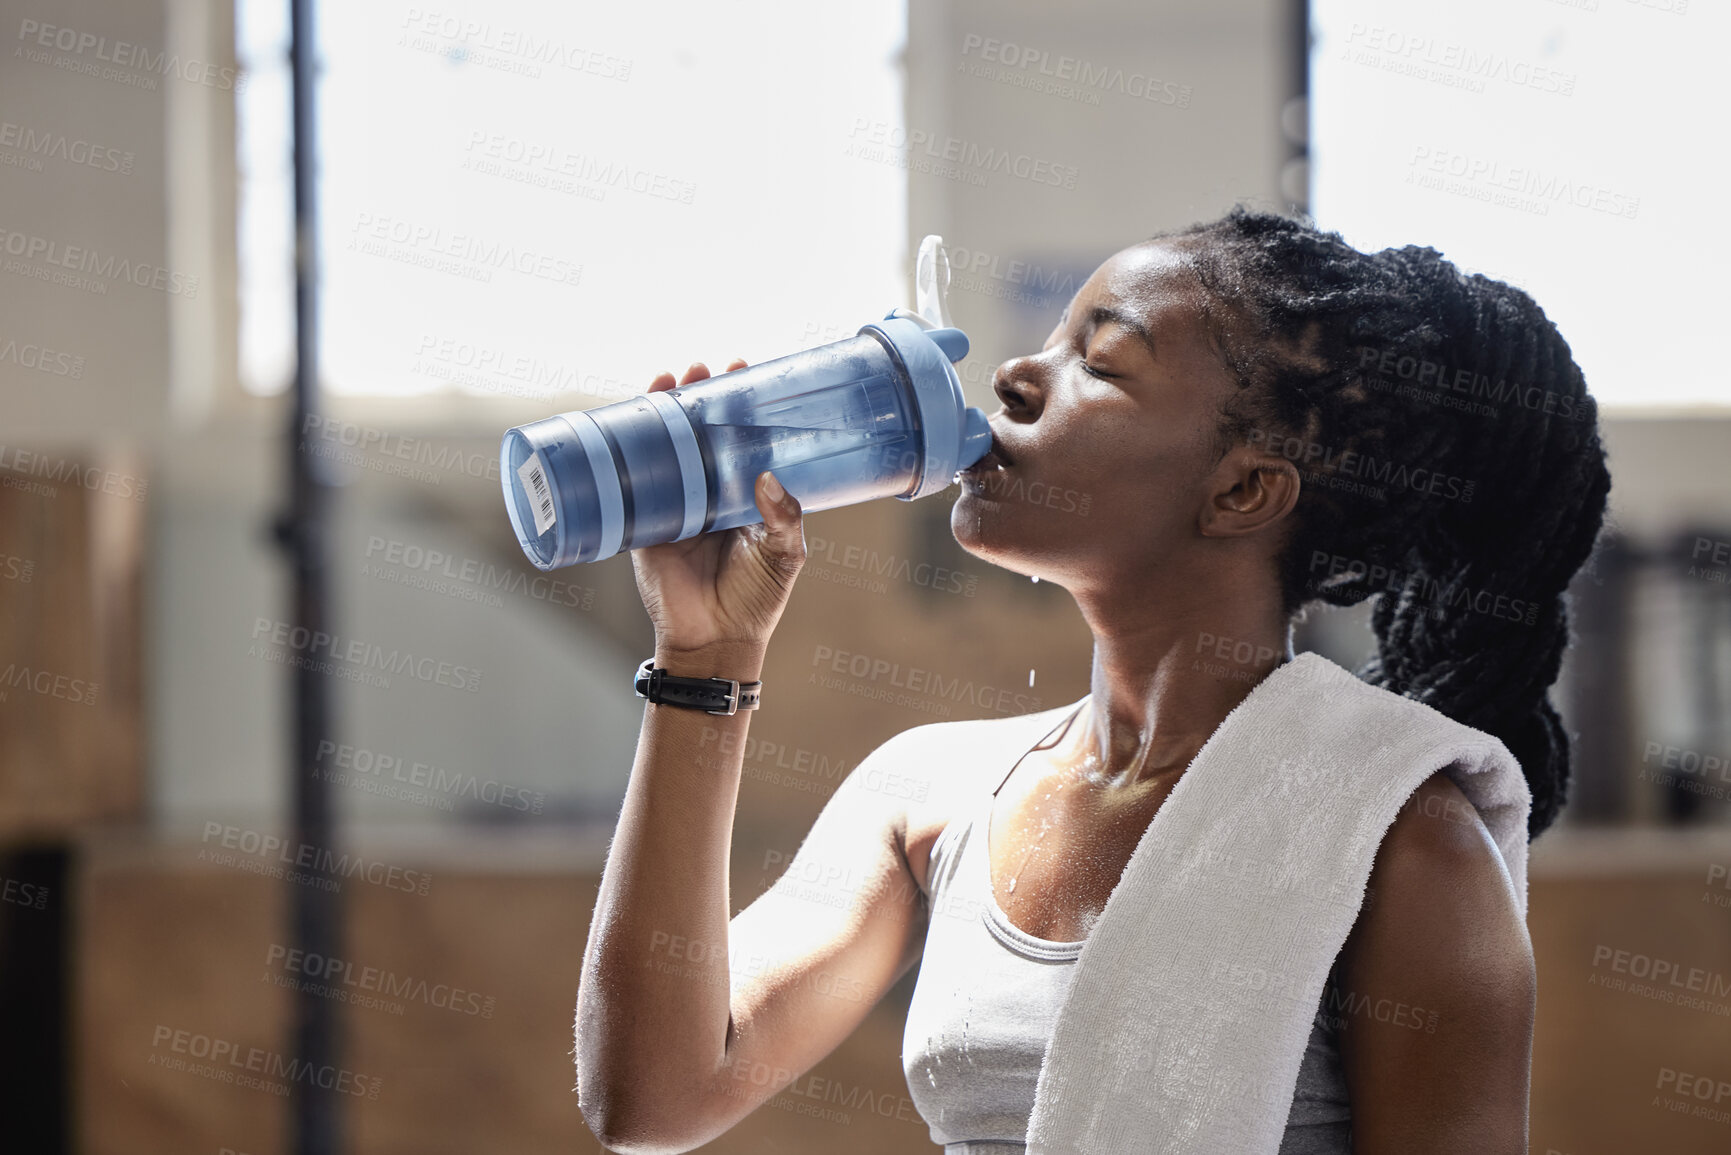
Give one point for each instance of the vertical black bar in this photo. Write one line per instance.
(1295, 110)
(315, 905)
(1603, 653)
(36, 1000)
(1701, 606)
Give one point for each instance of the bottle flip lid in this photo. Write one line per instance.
(928, 346)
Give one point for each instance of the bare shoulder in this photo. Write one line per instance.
(1439, 883)
(1439, 849)
(941, 767)
(1441, 935)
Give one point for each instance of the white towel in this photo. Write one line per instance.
(1187, 1015)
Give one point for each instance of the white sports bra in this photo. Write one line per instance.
(987, 997)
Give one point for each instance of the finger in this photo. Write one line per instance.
(736, 364)
(784, 531)
(663, 381)
(697, 371)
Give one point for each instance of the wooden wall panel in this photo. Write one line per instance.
(169, 940)
(71, 698)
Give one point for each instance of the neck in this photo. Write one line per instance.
(1165, 676)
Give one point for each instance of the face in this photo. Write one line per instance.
(1108, 432)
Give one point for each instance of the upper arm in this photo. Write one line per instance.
(814, 953)
(1437, 989)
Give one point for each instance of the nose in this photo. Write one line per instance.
(1019, 384)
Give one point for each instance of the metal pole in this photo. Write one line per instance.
(1295, 111)
(316, 910)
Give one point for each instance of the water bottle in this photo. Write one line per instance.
(878, 414)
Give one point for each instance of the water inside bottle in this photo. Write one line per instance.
(784, 445)
(821, 467)
(830, 444)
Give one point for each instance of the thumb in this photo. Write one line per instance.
(784, 532)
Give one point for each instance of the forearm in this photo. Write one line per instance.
(653, 1008)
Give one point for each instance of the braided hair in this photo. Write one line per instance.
(1450, 454)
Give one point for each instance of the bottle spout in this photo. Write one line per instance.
(976, 437)
(953, 342)
(932, 282)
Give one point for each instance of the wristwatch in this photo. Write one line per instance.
(711, 695)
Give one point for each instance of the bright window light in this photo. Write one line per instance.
(1571, 147)
(545, 199)
(265, 213)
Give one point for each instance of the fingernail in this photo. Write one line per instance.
(773, 487)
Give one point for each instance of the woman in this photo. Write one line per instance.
(1262, 418)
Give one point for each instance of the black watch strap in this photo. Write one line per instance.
(711, 695)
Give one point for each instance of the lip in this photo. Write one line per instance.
(994, 458)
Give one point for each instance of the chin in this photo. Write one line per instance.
(974, 522)
(981, 527)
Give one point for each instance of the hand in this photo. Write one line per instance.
(727, 588)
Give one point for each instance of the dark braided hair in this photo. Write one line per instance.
(1450, 455)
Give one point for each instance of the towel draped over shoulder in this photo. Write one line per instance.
(1187, 1016)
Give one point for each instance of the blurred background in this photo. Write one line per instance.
(525, 208)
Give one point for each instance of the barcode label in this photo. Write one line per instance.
(534, 479)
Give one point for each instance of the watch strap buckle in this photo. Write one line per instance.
(659, 686)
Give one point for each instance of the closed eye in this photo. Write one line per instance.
(1093, 372)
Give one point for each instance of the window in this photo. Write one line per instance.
(1555, 144)
(546, 199)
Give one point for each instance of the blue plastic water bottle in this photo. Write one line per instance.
(879, 414)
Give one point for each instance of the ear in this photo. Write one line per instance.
(1250, 491)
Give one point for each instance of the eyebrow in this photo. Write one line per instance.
(1101, 313)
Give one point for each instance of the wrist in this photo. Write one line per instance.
(740, 661)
